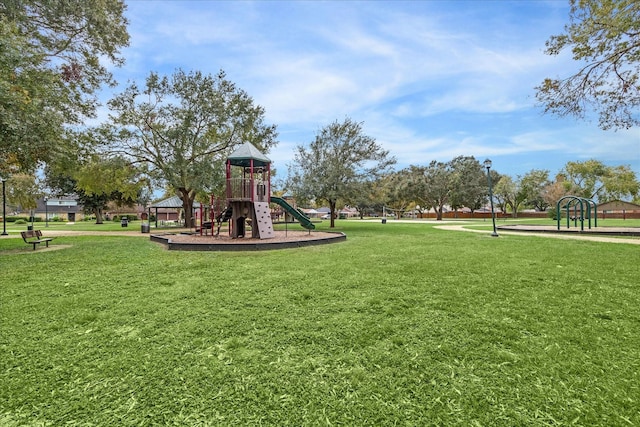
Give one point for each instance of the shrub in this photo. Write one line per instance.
(130, 217)
(15, 218)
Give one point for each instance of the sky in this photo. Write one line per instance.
(428, 80)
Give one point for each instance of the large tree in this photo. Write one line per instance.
(468, 183)
(510, 194)
(368, 198)
(604, 38)
(183, 127)
(533, 185)
(53, 58)
(334, 165)
(101, 181)
(555, 190)
(432, 185)
(23, 191)
(96, 180)
(398, 191)
(595, 180)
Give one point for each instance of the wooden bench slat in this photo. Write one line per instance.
(34, 237)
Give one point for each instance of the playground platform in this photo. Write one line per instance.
(282, 240)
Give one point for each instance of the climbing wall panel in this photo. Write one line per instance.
(262, 219)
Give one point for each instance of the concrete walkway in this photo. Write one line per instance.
(574, 236)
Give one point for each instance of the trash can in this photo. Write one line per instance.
(29, 227)
(144, 228)
(384, 220)
(124, 222)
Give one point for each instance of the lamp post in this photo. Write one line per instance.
(487, 164)
(4, 208)
(46, 212)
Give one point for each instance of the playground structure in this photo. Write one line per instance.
(575, 209)
(248, 198)
(587, 207)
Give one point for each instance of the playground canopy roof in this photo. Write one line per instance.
(245, 153)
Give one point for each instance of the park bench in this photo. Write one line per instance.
(34, 237)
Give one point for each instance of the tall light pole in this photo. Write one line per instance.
(4, 208)
(46, 212)
(487, 164)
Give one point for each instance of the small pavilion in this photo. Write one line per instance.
(173, 202)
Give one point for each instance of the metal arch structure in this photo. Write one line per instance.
(587, 206)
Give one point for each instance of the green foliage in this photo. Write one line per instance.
(336, 164)
(432, 186)
(468, 183)
(400, 324)
(368, 198)
(52, 61)
(459, 182)
(593, 179)
(510, 194)
(23, 190)
(22, 83)
(101, 181)
(129, 217)
(396, 191)
(533, 185)
(183, 128)
(604, 38)
(114, 177)
(96, 180)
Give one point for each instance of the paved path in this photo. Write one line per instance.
(457, 227)
(551, 235)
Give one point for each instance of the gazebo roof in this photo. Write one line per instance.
(172, 202)
(245, 153)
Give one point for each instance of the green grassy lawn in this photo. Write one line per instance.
(402, 324)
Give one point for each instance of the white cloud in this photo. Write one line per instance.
(430, 80)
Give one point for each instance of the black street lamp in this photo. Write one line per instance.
(487, 164)
(46, 212)
(4, 209)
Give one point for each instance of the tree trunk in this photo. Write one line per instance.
(332, 208)
(98, 212)
(187, 197)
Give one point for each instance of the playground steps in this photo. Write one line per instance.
(263, 220)
(224, 216)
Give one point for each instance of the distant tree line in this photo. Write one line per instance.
(459, 183)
